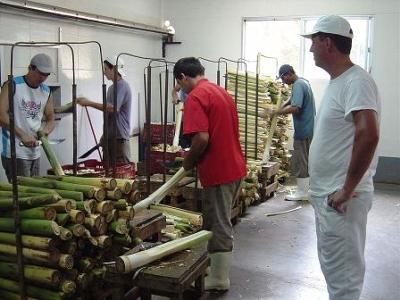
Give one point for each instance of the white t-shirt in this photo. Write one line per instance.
(332, 144)
(29, 104)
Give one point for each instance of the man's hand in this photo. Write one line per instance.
(45, 131)
(268, 112)
(340, 199)
(175, 98)
(174, 93)
(83, 101)
(199, 145)
(28, 140)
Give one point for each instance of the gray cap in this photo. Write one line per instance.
(43, 63)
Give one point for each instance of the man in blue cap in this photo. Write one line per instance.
(302, 107)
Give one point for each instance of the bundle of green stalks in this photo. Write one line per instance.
(69, 226)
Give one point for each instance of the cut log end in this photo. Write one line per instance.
(65, 234)
(68, 286)
(50, 213)
(120, 265)
(78, 230)
(108, 183)
(66, 261)
(127, 188)
(77, 216)
(54, 243)
(103, 228)
(104, 241)
(134, 197)
(55, 227)
(104, 207)
(56, 277)
(111, 216)
(99, 194)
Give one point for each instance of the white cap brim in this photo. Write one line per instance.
(308, 35)
(113, 60)
(45, 70)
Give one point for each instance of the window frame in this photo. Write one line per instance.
(302, 20)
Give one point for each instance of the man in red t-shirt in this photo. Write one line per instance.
(210, 119)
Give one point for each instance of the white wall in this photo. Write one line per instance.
(88, 73)
(214, 28)
(147, 12)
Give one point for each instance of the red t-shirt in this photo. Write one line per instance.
(209, 108)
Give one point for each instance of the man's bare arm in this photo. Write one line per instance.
(366, 139)
(49, 115)
(86, 102)
(199, 145)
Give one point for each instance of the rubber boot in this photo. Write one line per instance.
(301, 193)
(218, 279)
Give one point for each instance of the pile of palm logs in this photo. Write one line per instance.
(269, 92)
(70, 226)
(279, 150)
(250, 185)
(237, 89)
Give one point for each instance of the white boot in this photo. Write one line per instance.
(301, 193)
(218, 279)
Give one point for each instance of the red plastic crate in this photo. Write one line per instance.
(157, 133)
(157, 164)
(125, 170)
(96, 169)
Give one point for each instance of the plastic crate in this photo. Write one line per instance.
(157, 133)
(95, 168)
(157, 164)
(125, 170)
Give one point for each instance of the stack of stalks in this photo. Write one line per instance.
(180, 222)
(253, 114)
(250, 185)
(70, 226)
(269, 92)
(279, 150)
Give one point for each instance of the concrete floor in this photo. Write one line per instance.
(275, 257)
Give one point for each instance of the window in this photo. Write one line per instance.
(281, 38)
(274, 38)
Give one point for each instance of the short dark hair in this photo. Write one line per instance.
(286, 69)
(108, 64)
(342, 43)
(189, 66)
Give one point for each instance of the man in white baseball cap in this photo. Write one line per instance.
(342, 159)
(32, 101)
(124, 100)
(332, 24)
(121, 65)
